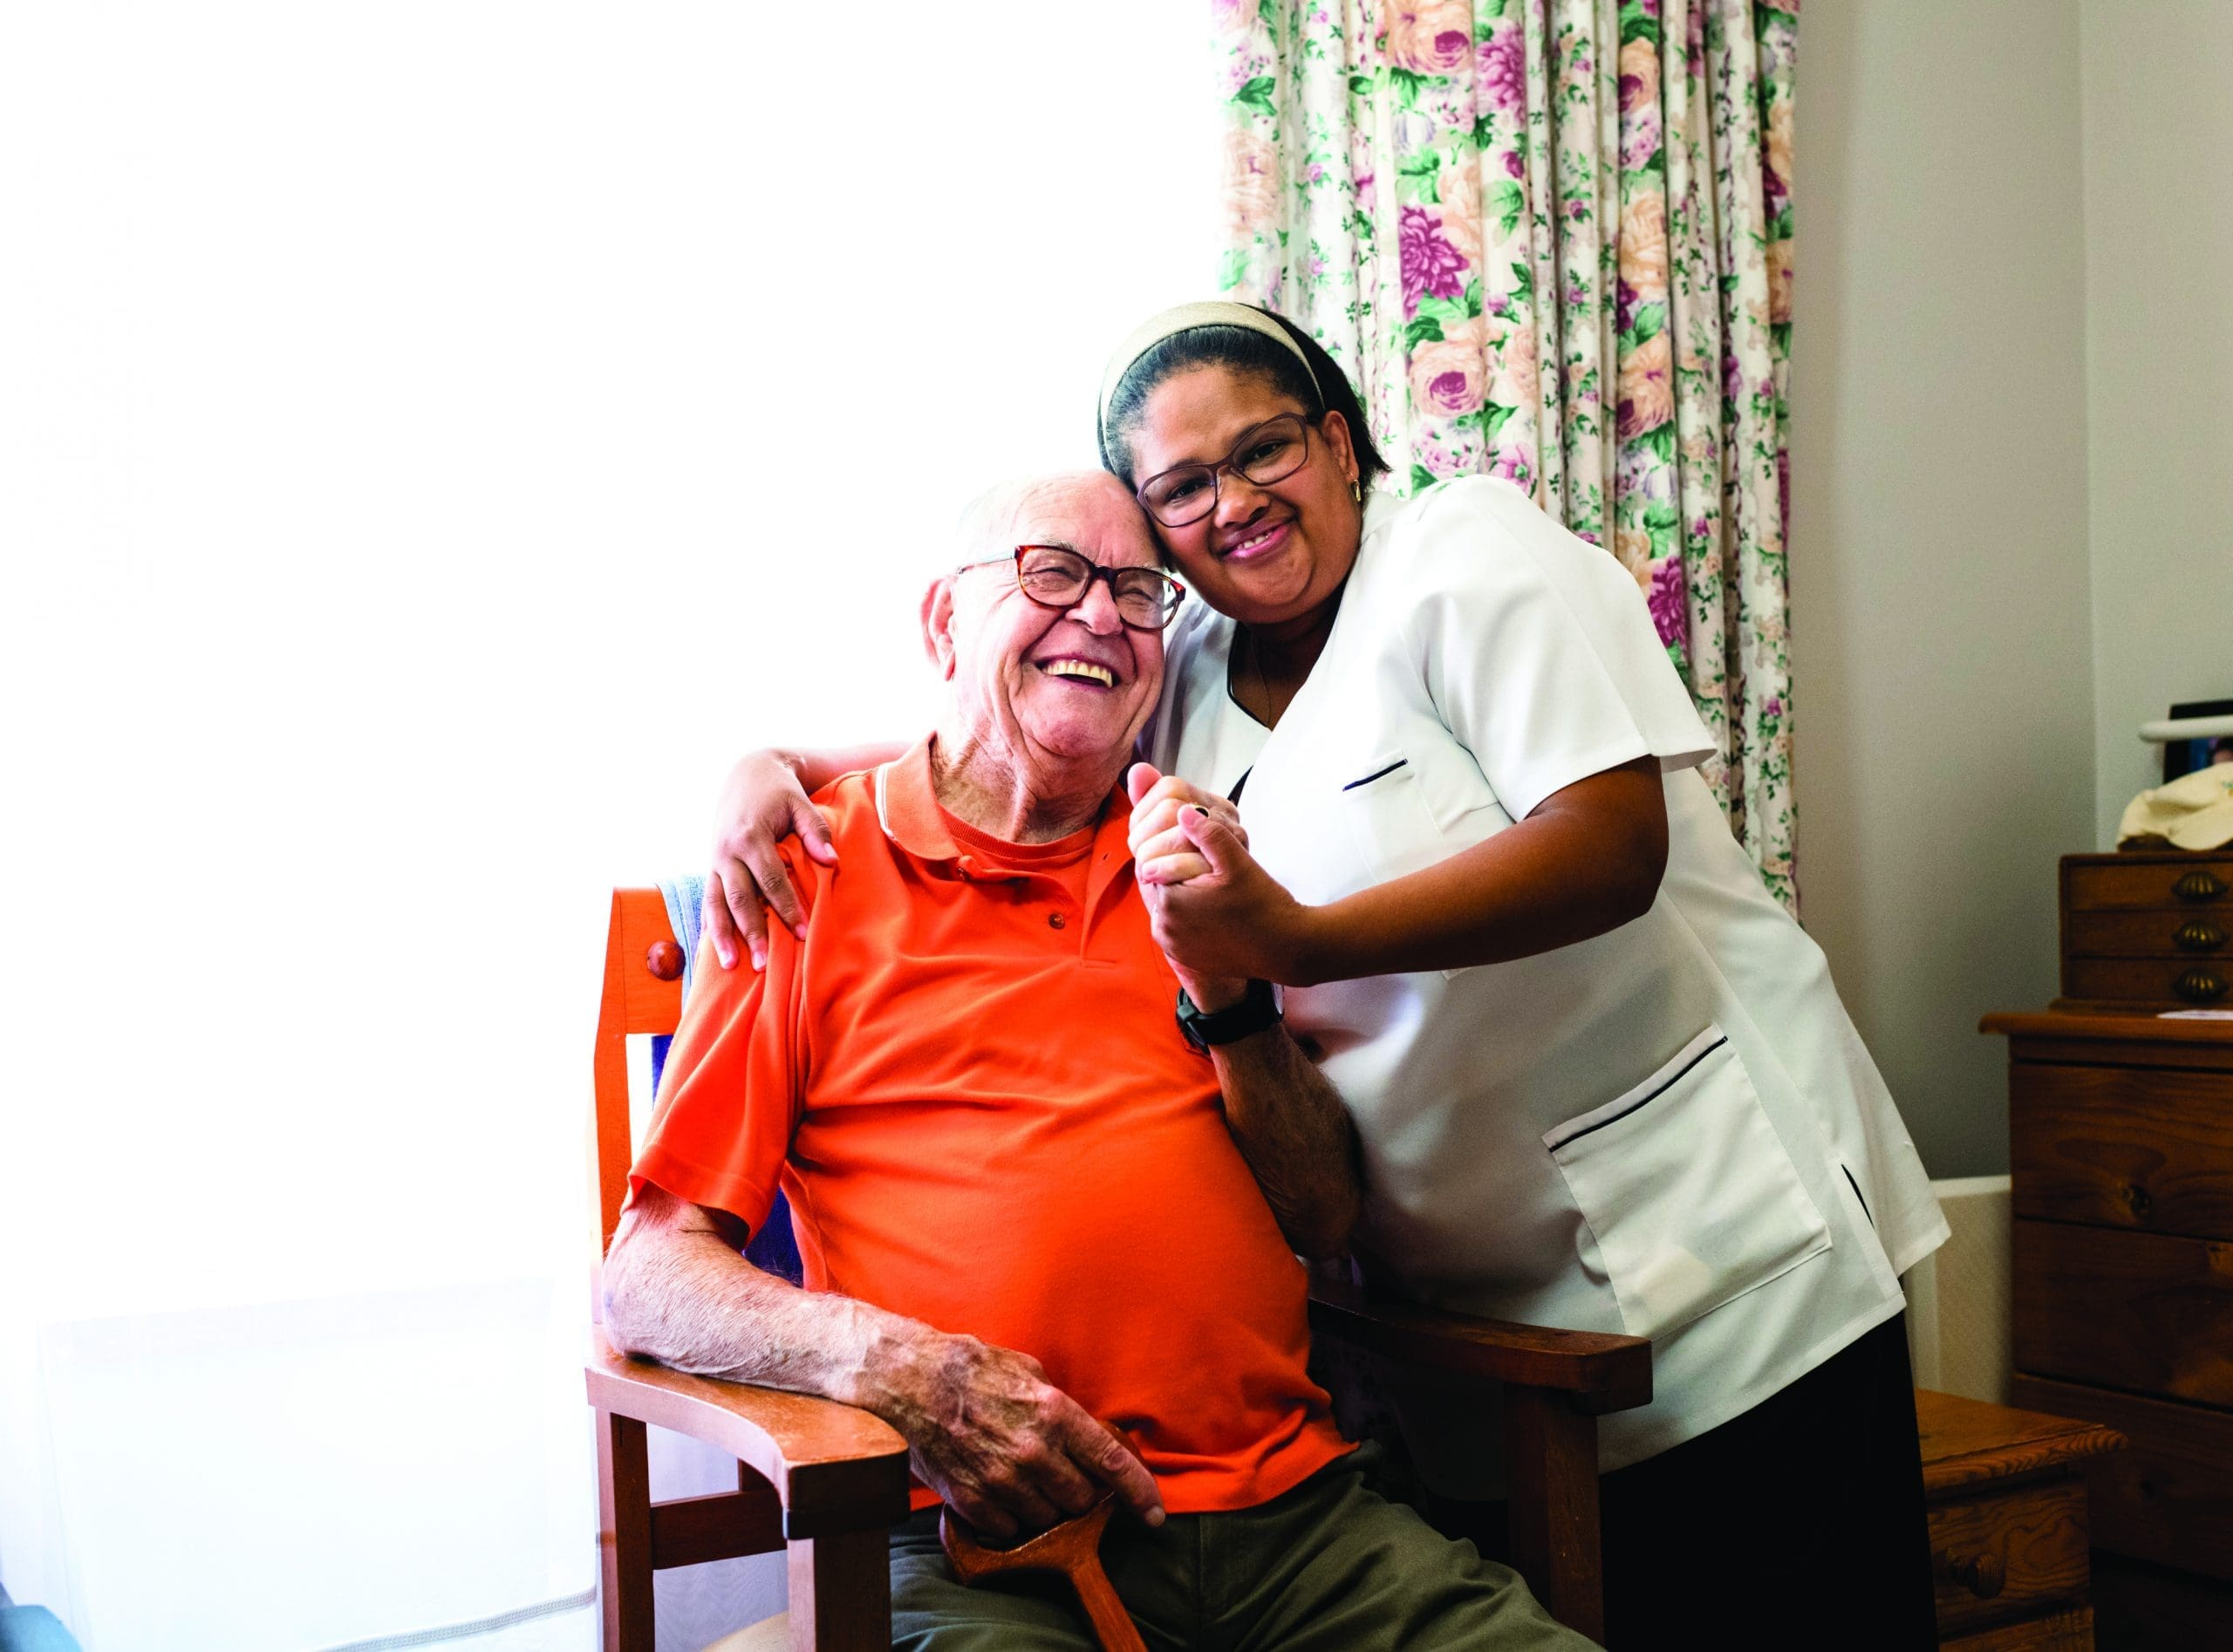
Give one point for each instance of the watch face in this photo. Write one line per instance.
(1189, 1014)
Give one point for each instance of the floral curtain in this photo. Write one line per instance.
(1551, 240)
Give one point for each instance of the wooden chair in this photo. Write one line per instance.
(826, 1481)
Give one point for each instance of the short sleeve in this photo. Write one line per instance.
(729, 1094)
(1538, 649)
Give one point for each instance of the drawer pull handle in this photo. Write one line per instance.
(2200, 986)
(1983, 1576)
(2198, 885)
(2198, 936)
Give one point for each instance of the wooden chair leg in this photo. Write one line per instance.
(623, 1533)
(1551, 1456)
(841, 1593)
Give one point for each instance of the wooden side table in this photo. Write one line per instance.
(2008, 1527)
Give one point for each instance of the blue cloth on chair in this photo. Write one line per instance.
(684, 898)
(33, 1628)
(774, 1249)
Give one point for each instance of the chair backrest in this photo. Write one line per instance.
(642, 995)
(644, 979)
(819, 1478)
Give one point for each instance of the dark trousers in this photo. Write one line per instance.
(1800, 1523)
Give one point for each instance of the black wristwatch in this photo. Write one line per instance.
(1257, 1009)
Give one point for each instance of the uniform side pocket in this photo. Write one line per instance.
(1688, 1189)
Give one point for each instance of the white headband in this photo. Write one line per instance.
(1214, 313)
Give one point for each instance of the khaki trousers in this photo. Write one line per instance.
(1329, 1567)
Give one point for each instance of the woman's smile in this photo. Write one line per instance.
(1257, 541)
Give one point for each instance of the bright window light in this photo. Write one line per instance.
(435, 438)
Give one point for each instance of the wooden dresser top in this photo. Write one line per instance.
(2142, 1039)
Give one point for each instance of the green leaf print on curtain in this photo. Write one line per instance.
(1551, 240)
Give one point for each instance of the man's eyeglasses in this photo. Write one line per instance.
(1056, 576)
(1272, 452)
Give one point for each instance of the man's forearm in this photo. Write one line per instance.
(984, 1427)
(676, 1291)
(1297, 1137)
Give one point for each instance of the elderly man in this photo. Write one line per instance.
(1033, 1239)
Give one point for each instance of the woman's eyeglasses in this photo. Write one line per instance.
(1056, 576)
(1272, 452)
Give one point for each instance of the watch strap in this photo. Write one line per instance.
(1257, 1008)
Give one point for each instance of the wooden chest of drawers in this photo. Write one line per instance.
(2121, 1149)
(2146, 929)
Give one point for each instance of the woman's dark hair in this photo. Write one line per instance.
(1241, 350)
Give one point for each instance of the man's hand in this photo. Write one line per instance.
(1160, 853)
(989, 1434)
(1234, 920)
(762, 803)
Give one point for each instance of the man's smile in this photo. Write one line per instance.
(1080, 671)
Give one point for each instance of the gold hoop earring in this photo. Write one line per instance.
(1356, 490)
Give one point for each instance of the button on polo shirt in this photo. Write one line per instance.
(968, 1080)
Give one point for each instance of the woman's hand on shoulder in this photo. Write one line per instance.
(1161, 853)
(761, 803)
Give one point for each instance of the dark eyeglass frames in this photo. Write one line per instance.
(1271, 452)
(1056, 576)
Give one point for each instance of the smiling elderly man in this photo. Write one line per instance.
(1025, 1202)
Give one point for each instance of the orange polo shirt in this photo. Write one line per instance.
(968, 1080)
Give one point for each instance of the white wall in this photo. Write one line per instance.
(2012, 522)
(1940, 587)
(434, 438)
(2158, 99)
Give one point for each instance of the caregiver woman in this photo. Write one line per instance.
(1591, 1093)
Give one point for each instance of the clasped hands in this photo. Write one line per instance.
(1219, 916)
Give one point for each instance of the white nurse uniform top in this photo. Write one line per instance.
(1672, 1130)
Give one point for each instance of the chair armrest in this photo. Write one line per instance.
(1602, 1372)
(835, 1467)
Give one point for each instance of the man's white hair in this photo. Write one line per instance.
(991, 524)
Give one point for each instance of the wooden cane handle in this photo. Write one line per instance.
(1073, 1547)
(1058, 1548)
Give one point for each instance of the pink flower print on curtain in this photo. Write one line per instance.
(1450, 378)
(1501, 68)
(1551, 240)
(1431, 38)
(1432, 266)
(1671, 603)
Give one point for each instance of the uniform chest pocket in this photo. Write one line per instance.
(1390, 827)
(1398, 824)
(1688, 1189)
